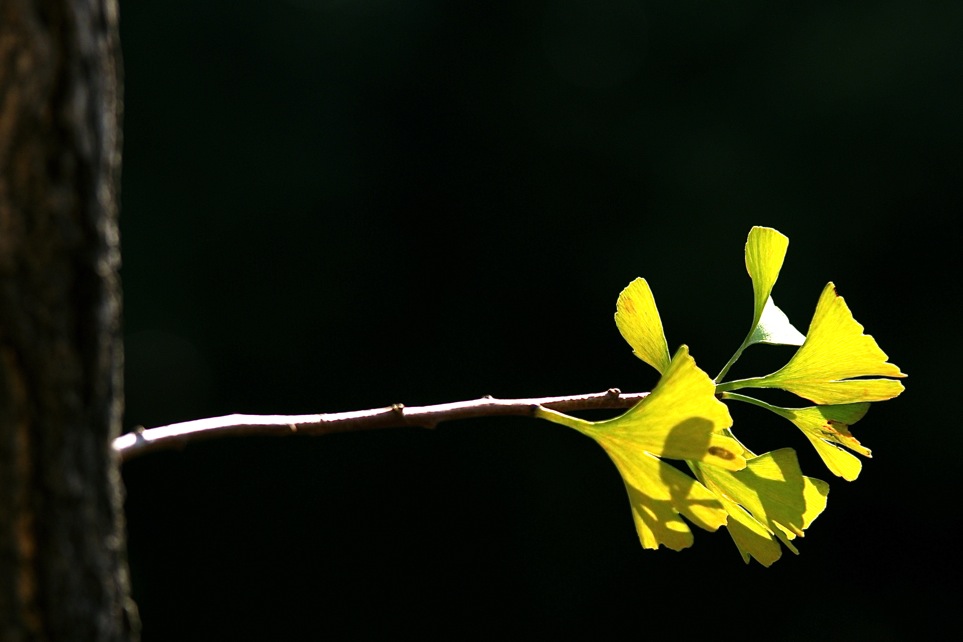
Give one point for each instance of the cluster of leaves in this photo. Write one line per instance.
(761, 499)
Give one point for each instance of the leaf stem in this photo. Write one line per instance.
(736, 384)
(142, 441)
(734, 396)
(733, 359)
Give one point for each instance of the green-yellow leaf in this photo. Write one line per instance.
(640, 324)
(750, 537)
(681, 419)
(765, 253)
(825, 367)
(827, 428)
(659, 494)
(777, 496)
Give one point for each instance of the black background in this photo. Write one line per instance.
(342, 205)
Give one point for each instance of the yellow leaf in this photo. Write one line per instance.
(640, 324)
(765, 253)
(835, 351)
(659, 494)
(682, 419)
(777, 496)
(827, 428)
(751, 538)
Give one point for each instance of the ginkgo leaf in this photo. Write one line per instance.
(827, 428)
(680, 419)
(825, 368)
(640, 324)
(659, 494)
(750, 537)
(765, 501)
(775, 496)
(765, 253)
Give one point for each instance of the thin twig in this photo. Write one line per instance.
(143, 441)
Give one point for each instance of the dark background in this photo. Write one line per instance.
(341, 205)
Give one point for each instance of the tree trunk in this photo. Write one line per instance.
(62, 554)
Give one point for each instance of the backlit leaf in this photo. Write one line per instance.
(765, 501)
(640, 324)
(751, 537)
(777, 496)
(827, 428)
(659, 494)
(835, 351)
(765, 253)
(681, 419)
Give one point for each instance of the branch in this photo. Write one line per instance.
(143, 441)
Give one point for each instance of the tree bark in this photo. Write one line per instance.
(63, 573)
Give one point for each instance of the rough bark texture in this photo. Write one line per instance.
(62, 568)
